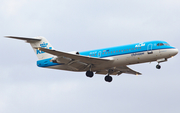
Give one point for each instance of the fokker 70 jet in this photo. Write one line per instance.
(107, 61)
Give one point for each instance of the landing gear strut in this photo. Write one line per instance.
(158, 66)
(89, 74)
(108, 78)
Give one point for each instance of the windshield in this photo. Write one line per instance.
(162, 44)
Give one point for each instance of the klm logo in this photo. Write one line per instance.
(43, 45)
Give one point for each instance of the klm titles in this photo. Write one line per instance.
(43, 45)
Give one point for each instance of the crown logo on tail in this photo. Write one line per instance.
(44, 44)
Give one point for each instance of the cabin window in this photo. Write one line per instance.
(129, 49)
(122, 50)
(132, 48)
(106, 52)
(114, 51)
(103, 53)
(111, 51)
(137, 47)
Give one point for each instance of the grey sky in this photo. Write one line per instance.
(79, 25)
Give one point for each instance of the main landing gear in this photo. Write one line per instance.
(108, 78)
(89, 74)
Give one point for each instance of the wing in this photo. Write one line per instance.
(118, 71)
(80, 58)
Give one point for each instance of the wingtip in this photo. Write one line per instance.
(7, 36)
(138, 73)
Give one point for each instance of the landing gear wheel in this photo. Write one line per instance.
(158, 66)
(108, 78)
(89, 74)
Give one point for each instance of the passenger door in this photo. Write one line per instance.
(149, 49)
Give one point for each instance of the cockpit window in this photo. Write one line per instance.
(166, 44)
(160, 44)
(163, 44)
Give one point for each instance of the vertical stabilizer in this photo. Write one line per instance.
(43, 44)
(37, 42)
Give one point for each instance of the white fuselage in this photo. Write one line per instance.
(127, 59)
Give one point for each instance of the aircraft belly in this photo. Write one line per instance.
(135, 58)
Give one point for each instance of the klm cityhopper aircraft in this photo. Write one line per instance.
(107, 61)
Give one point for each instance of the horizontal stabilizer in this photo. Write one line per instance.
(23, 38)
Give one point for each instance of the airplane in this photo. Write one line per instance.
(107, 61)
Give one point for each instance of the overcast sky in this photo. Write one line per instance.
(79, 25)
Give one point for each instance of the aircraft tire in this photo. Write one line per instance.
(89, 74)
(108, 78)
(158, 66)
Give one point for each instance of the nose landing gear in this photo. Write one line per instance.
(159, 61)
(158, 66)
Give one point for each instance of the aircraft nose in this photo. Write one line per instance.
(175, 52)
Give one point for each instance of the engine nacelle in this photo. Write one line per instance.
(61, 60)
(55, 60)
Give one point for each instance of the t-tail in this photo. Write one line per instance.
(37, 42)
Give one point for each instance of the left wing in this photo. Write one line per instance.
(118, 71)
(84, 59)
